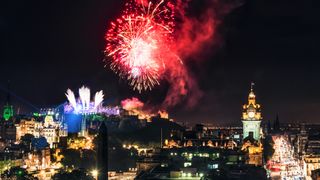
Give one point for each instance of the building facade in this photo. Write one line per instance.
(50, 129)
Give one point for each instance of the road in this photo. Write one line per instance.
(283, 164)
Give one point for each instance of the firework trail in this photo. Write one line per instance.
(139, 43)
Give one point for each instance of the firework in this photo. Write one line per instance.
(98, 99)
(139, 42)
(72, 99)
(83, 104)
(84, 94)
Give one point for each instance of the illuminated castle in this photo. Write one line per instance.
(251, 117)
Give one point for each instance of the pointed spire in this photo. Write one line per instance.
(252, 84)
(8, 95)
(252, 96)
(276, 124)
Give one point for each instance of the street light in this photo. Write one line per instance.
(95, 173)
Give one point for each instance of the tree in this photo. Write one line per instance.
(74, 175)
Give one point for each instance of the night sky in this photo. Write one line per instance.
(49, 46)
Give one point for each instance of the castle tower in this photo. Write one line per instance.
(8, 108)
(251, 117)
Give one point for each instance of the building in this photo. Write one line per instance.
(8, 131)
(311, 163)
(27, 126)
(251, 120)
(48, 128)
(251, 117)
(37, 160)
(8, 108)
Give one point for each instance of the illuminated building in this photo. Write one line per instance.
(311, 163)
(251, 117)
(7, 112)
(8, 109)
(50, 129)
(311, 157)
(37, 160)
(81, 143)
(254, 150)
(302, 140)
(27, 126)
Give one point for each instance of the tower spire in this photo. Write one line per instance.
(252, 84)
(8, 95)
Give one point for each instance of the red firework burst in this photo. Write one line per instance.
(139, 42)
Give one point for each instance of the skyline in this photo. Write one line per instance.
(48, 48)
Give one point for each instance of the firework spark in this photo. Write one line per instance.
(84, 93)
(139, 42)
(98, 99)
(72, 99)
(84, 105)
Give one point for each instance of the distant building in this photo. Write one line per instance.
(27, 126)
(251, 117)
(311, 163)
(37, 160)
(251, 120)
(48, 128)
(8, 131)
(8, 108)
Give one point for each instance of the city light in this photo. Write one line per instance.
(283, 163)
(95, 173)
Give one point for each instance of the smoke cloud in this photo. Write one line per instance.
(132, 104)
(136, 107)
(194, 35)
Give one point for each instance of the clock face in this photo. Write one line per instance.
(251, 114)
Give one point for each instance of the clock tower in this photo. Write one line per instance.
(251, 117)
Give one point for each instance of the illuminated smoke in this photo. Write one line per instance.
(132, 104)
(195, 36)
(136, 107)
(163, 114)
